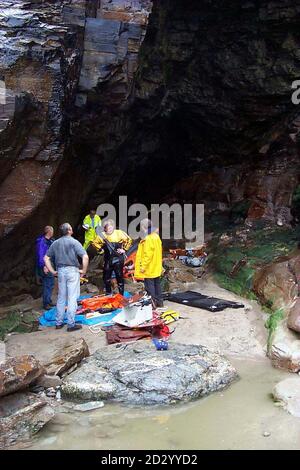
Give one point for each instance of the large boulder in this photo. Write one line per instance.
(21, 416)
(138, 374)
(284, 348)
(287, 394)
(18, 373)
(294, 316)
(66, 357)
(276, 285)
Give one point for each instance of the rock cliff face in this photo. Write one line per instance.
(40, 61)
(189, 102)
(56, 59)
(215, 97)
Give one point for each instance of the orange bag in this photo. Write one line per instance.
(128, 269)
(100, 301)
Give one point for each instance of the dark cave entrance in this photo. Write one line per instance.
(163, 159)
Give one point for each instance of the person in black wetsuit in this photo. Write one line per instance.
(115, 243)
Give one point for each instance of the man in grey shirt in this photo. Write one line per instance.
(65, 252)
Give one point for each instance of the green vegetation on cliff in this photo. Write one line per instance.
(238, 252)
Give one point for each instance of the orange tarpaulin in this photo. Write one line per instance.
(99, 301)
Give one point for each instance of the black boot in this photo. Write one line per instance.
(74, 328)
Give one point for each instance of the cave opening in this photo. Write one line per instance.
(163, 160)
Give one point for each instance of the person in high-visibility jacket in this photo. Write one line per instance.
(115, 243)
(148, 262)
(90, 223)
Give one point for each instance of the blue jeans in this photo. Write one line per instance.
(48, 285)
(68, 293)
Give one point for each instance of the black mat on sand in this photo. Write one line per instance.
(195, 299)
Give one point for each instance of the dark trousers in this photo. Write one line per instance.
(108, 269)
(48, 285)
(153, 288)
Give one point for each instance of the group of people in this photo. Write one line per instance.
(67, 259)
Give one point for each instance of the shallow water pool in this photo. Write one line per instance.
(236, 418)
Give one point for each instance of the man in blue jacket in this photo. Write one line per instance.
(43, 243)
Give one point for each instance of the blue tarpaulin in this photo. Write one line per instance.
(48, 317)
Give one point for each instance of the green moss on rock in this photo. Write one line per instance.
(18, 322)
(272, 322)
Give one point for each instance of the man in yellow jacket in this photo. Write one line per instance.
(90, 223)
(115, 243)
(148, 263)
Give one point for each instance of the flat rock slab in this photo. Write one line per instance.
(21, 416)
(287, 393)
(89, 406)
(18, 373)
(138, 374)
(66, 357)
